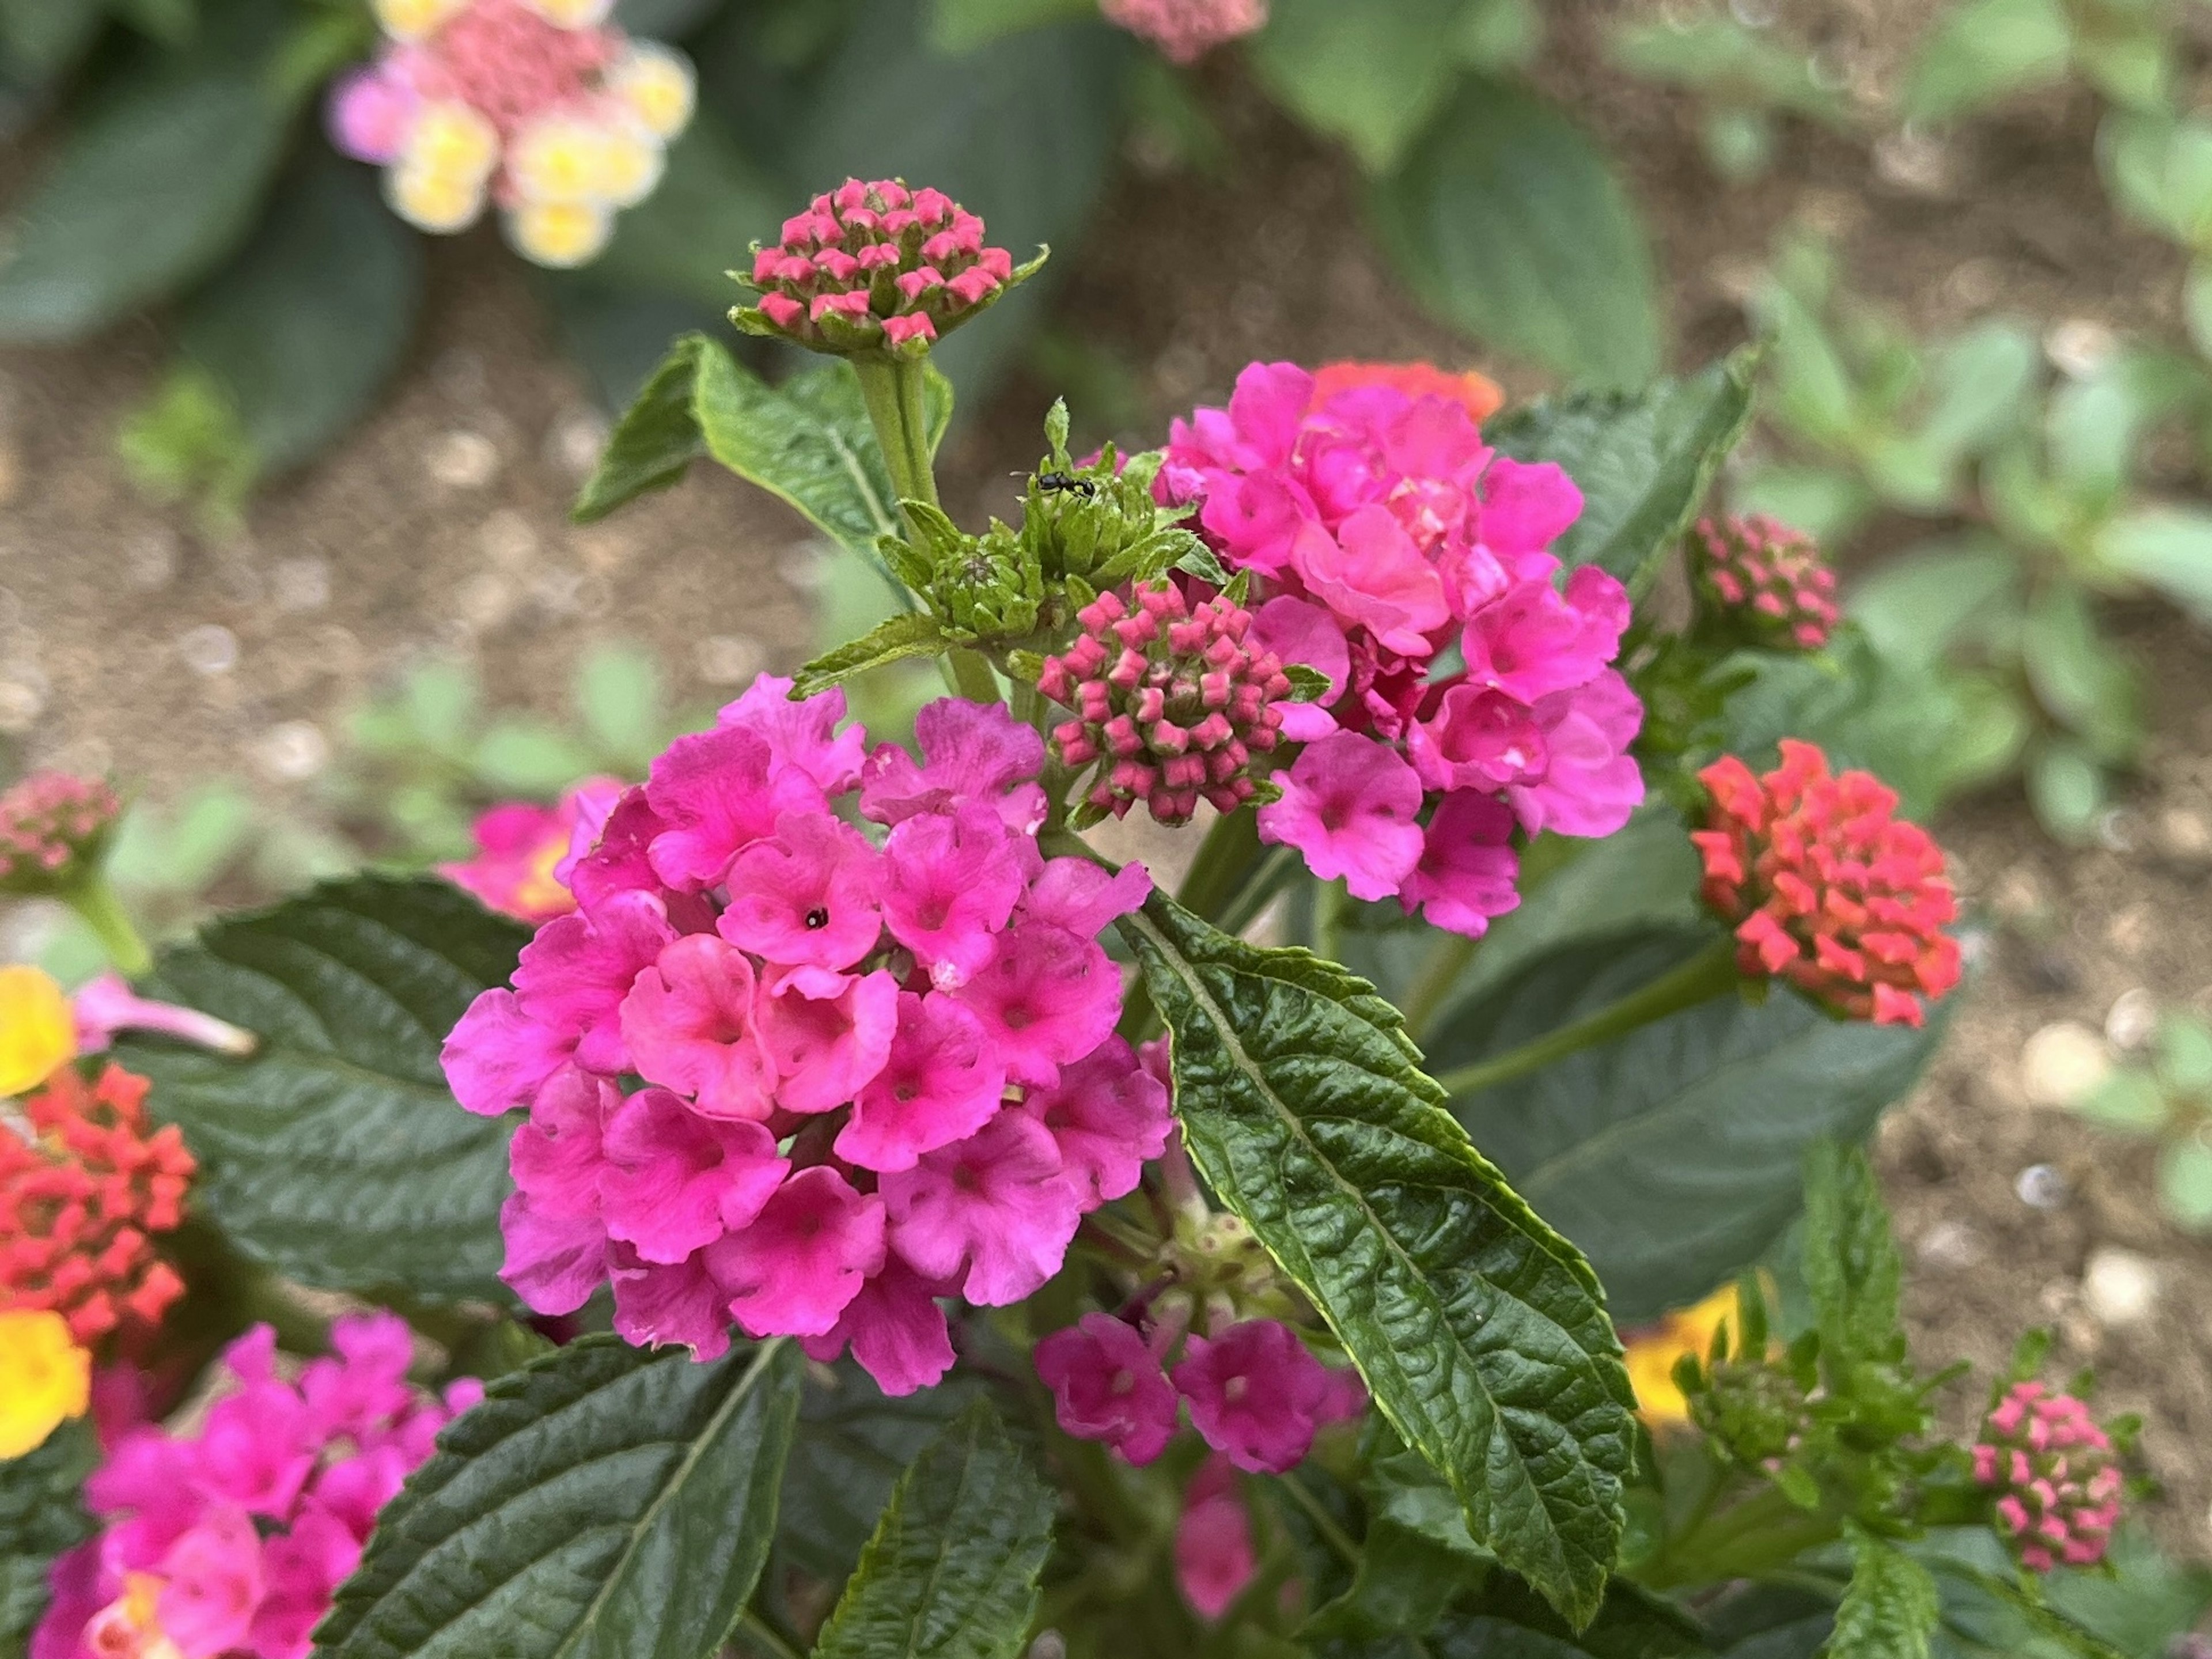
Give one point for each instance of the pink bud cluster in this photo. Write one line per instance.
(525, 851)
(2053, 1469)
(1765, 574)
(1256, 1394)
(1172, 701)
(1186, 30)
(1381, 535)
(871, 267)
(230, 1539)
(51, 828)
(786, 1074)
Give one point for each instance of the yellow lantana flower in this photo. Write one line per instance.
(45, 1380)
(1652, 1355)
(559, 235)
(37, 1034)
(657, 84)
(411, 20)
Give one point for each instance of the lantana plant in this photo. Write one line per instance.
(823, 1200)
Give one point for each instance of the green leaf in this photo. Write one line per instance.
(527, 756)
(618, 693)
(1643, 460)
(1480, 1331)
(1890, 1609)
(2168, 547)
(604, 1502)
(1673, 1156)
(2078, 674)
(334, 1153)
(1508, 1622)
(1372, 75)
(914, 635)
(41, 1516)
(1404, 1582)
(39, 39)
(951, 1571)
(2127, 1102)
(147, 191)
(2185, 1183)
(1983, 50)
(2160, 172)
(957, 26)
(807, 441)
(1982, 383)
(1852, 1270)
(1915, 607)
(304, 330)
(2066, 787)
(854, 1443)
(1507, 220)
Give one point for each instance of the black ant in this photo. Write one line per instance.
(1062, 483)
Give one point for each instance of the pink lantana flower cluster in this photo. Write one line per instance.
(1471, 692)
(540, 107)
(877, 1067)
(1256, 1394)
(1184, 31)
(525, 851)
(52, 826)
(2053, 1468)
(231, 1540)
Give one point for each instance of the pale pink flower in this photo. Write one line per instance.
(1107, 1385)
(798, 1266)
(1349, 804)
(1184, 31)
(692, 1023)
(941, 1082)
(369, 112)
(1256, 1394)
(106, 1004)
(991, 1212)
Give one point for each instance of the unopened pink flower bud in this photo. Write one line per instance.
(53, 830)
(2052, 1468)
(1767, 579)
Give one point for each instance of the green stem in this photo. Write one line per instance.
(1330, 902)
(1448, 959)
(757, 1630)
(1272, 874)
(972, 676)
(1324, 1522)
(893, 394)
(1707, 975)
(1219, 868)
(95, 900)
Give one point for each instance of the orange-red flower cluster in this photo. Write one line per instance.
(79, 1201)
(1826, 888)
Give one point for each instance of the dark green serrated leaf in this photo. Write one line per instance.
(602, 1503)
(335, 1153)
(1643, 460)
(896, 640)
(41, 1516)
(1404, 1582)
(1890, 1609)
(807, 441)
(1673, 1156)
(305, 328)
(853, 1443)
(1507, 1621)
(951, 1571)
(1480, 1331)
(1851, 1267)
(1507, 220)
(149, 190)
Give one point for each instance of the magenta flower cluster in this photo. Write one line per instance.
(1385, 540)
(51, 824)
(1171, 702)
(877, 266)
(231, 1540)
(2053, 1469)
(877, 1069)
(1256, 1394)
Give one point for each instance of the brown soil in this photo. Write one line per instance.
(440, 527)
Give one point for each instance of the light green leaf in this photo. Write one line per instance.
(2160, 172)
(529, 758)
(1986, 50)
(957, 26)
(807, 441)
(1643, 461)
(914, 635)
(41, 1516)
(1982, 383)
(1673, 1156)
(304, 330)
(147, 191)
(1851, 1268)
(603, 1503)
(2185, 1183)
(2066, 787)
(2128, 1101)
(1480, 1331)
(2168, 547)
(2184, 1052)
(2078, 674)
(1507, 220)
(618, 693)
(334, 1153)
(1915, 607)
(1372, 75)
(1890, 1609)
(951, 1573)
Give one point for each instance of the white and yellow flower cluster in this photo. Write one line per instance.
(538, 108)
